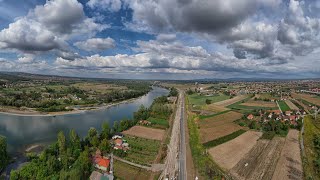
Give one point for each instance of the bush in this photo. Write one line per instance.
(208, 101)
(268, 135)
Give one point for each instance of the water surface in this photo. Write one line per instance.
(22, 131)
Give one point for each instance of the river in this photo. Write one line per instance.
(23, 131)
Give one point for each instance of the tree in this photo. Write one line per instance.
(92, 132)
(74, 140)
(3, 152)
(94, 141)
(116, 126)
(173, 92)
(208, 101)
(105, 146)
(61, 142)
(253, 125)
(105, 133)
(142, 113)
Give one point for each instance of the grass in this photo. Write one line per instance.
(283, 106)
(142, 151)
(200, 100)
(159, 123)
(212, 115)
(310, 130)
(238, 106)
(297, 104)
(126, 171)
(223, 139)
(307, 102)
(202, 160)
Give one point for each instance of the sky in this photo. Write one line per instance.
(161, 39)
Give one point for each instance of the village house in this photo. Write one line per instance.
(250, 116)
(120, 143)
(288, 113)
(100, 161)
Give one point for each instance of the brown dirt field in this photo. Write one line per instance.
(289, 165)
(145, 132)
(209, 134)
(307, 97)
(227, 155)
(231, 101)
(219, 120)
(291, 105)
(218, 126)
(259, 103)
(261, 160)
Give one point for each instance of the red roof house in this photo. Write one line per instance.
(250, 117)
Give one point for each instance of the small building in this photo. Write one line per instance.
(250, 116)
(117, 136)
(100, 161)
(145, 122)
(95, 175)
(288, 113)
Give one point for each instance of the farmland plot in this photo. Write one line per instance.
(260, 104)
(231, 101)
(145, 132)
(289, 165)
(260, 162)
(291, 105)
(218, 126)
(227, 155)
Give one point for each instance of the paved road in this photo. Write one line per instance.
(182, 149)
(172, 160)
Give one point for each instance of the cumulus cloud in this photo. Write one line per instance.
(96, 44)
(189, 15)
(297, 32)
(112, 5)
(174, 56)
(48, 27)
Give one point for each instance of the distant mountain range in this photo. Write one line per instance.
(28, 76)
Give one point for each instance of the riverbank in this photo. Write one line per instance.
(30, 112)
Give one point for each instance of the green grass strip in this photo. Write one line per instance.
(213, 115)
(283, 105)
(234, 105)
(223, 139)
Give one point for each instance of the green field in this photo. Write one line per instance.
(283, 106)
(243, 108)
(142, 151)
(200, 100)
(212, 115)
(223, 139)
(309, 166)
(158, 123)
(126, 171)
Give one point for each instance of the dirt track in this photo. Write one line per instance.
(227, 155)
(289, 165)
(145, 132)
(260, 162)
